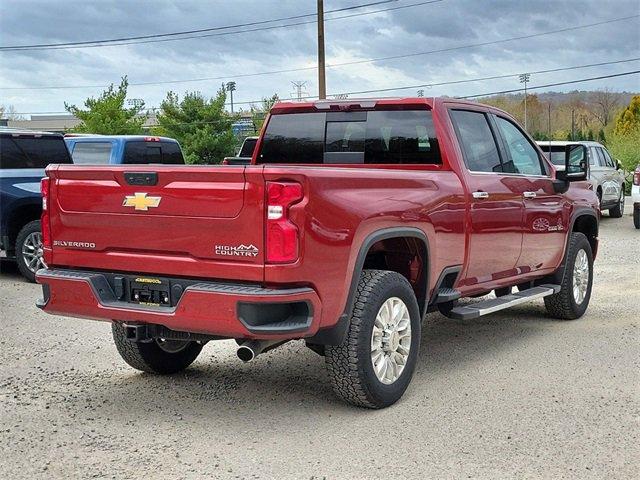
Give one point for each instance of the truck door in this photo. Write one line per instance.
(495, 233)
(544, 226)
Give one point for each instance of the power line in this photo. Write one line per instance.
(452, 82)
(258, 29)
(493, 77)
(553, 84)
(371, 60)
(186, 32)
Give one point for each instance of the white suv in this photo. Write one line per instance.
(635, 197)
(604, 172)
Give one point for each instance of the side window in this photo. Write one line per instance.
(477, 141)
(608, 158)
(523, 157)
(600, 157)
(593, 157)
(92, 153)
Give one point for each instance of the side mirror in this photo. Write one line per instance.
(576, 164)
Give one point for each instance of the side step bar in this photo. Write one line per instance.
(475, 310)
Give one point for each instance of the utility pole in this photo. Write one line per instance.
(230, 87)
(524, 78)
(573, 124)
(549, 128)
(322, 85)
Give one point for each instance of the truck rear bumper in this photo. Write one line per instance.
(230, 310)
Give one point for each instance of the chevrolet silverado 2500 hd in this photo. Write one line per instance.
(354, 219)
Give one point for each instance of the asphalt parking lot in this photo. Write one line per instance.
(512, 395)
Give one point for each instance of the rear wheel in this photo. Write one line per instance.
(573, 298)
(157, 356)
(374, 364)
(618, 210)
(636, 217)
(29, 253)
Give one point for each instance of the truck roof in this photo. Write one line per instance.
(140, 138)
(365, 103)
(19, 131)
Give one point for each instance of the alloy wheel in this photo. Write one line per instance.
(391, 340)
(32, 252)
(580, 276)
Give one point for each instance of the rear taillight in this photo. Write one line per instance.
(44, 219)
(282, 234)
(636, 177)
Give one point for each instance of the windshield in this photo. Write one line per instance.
(556, 155)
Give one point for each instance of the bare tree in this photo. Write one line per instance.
(603, 105)
(9, 112)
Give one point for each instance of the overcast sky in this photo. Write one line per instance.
(441, 25)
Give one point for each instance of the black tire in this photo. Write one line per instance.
(150, 357)
(350, 366)
(636, 217)
(501, 292)
(562, 305)
(24, 262)
(618, 210)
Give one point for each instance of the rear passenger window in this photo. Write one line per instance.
(374, 137)
(92, 153)
(523, 157)
(477, 141)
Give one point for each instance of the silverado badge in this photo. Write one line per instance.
(140, 201)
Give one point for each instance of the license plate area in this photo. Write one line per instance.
(150, 291)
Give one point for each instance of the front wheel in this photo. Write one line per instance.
(29, 251)
(618, 210)
(374, 364)
(573, 298)
(157, 356)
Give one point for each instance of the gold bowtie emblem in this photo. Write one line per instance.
(140, 201)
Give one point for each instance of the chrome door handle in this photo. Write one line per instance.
(480, 195)
(529, 194)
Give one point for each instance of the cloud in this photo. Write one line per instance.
(423, 28)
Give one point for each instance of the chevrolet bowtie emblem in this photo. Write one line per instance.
(140, 201)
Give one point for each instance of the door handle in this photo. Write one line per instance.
(529, 194)
(480, 195)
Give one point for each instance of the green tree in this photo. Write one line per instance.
(201, 125)
(628, 119)
(107, 114)
(259, 113)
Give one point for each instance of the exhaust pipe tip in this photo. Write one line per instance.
(245, 353)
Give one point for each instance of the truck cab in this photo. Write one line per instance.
(123, 149)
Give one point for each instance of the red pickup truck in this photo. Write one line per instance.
(354, 219)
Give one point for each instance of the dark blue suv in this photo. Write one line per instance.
(23, 158)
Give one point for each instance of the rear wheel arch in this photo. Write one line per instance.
(19, 217)
(404, 250)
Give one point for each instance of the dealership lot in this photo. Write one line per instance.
(512, 394)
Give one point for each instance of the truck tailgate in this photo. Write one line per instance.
(191, 221)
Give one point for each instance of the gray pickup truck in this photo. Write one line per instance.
(604, 172)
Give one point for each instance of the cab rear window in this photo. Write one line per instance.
(375, 137)
(152, 152)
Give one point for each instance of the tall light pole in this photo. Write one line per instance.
(524, 78)
(230, 87)
(322, 85)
